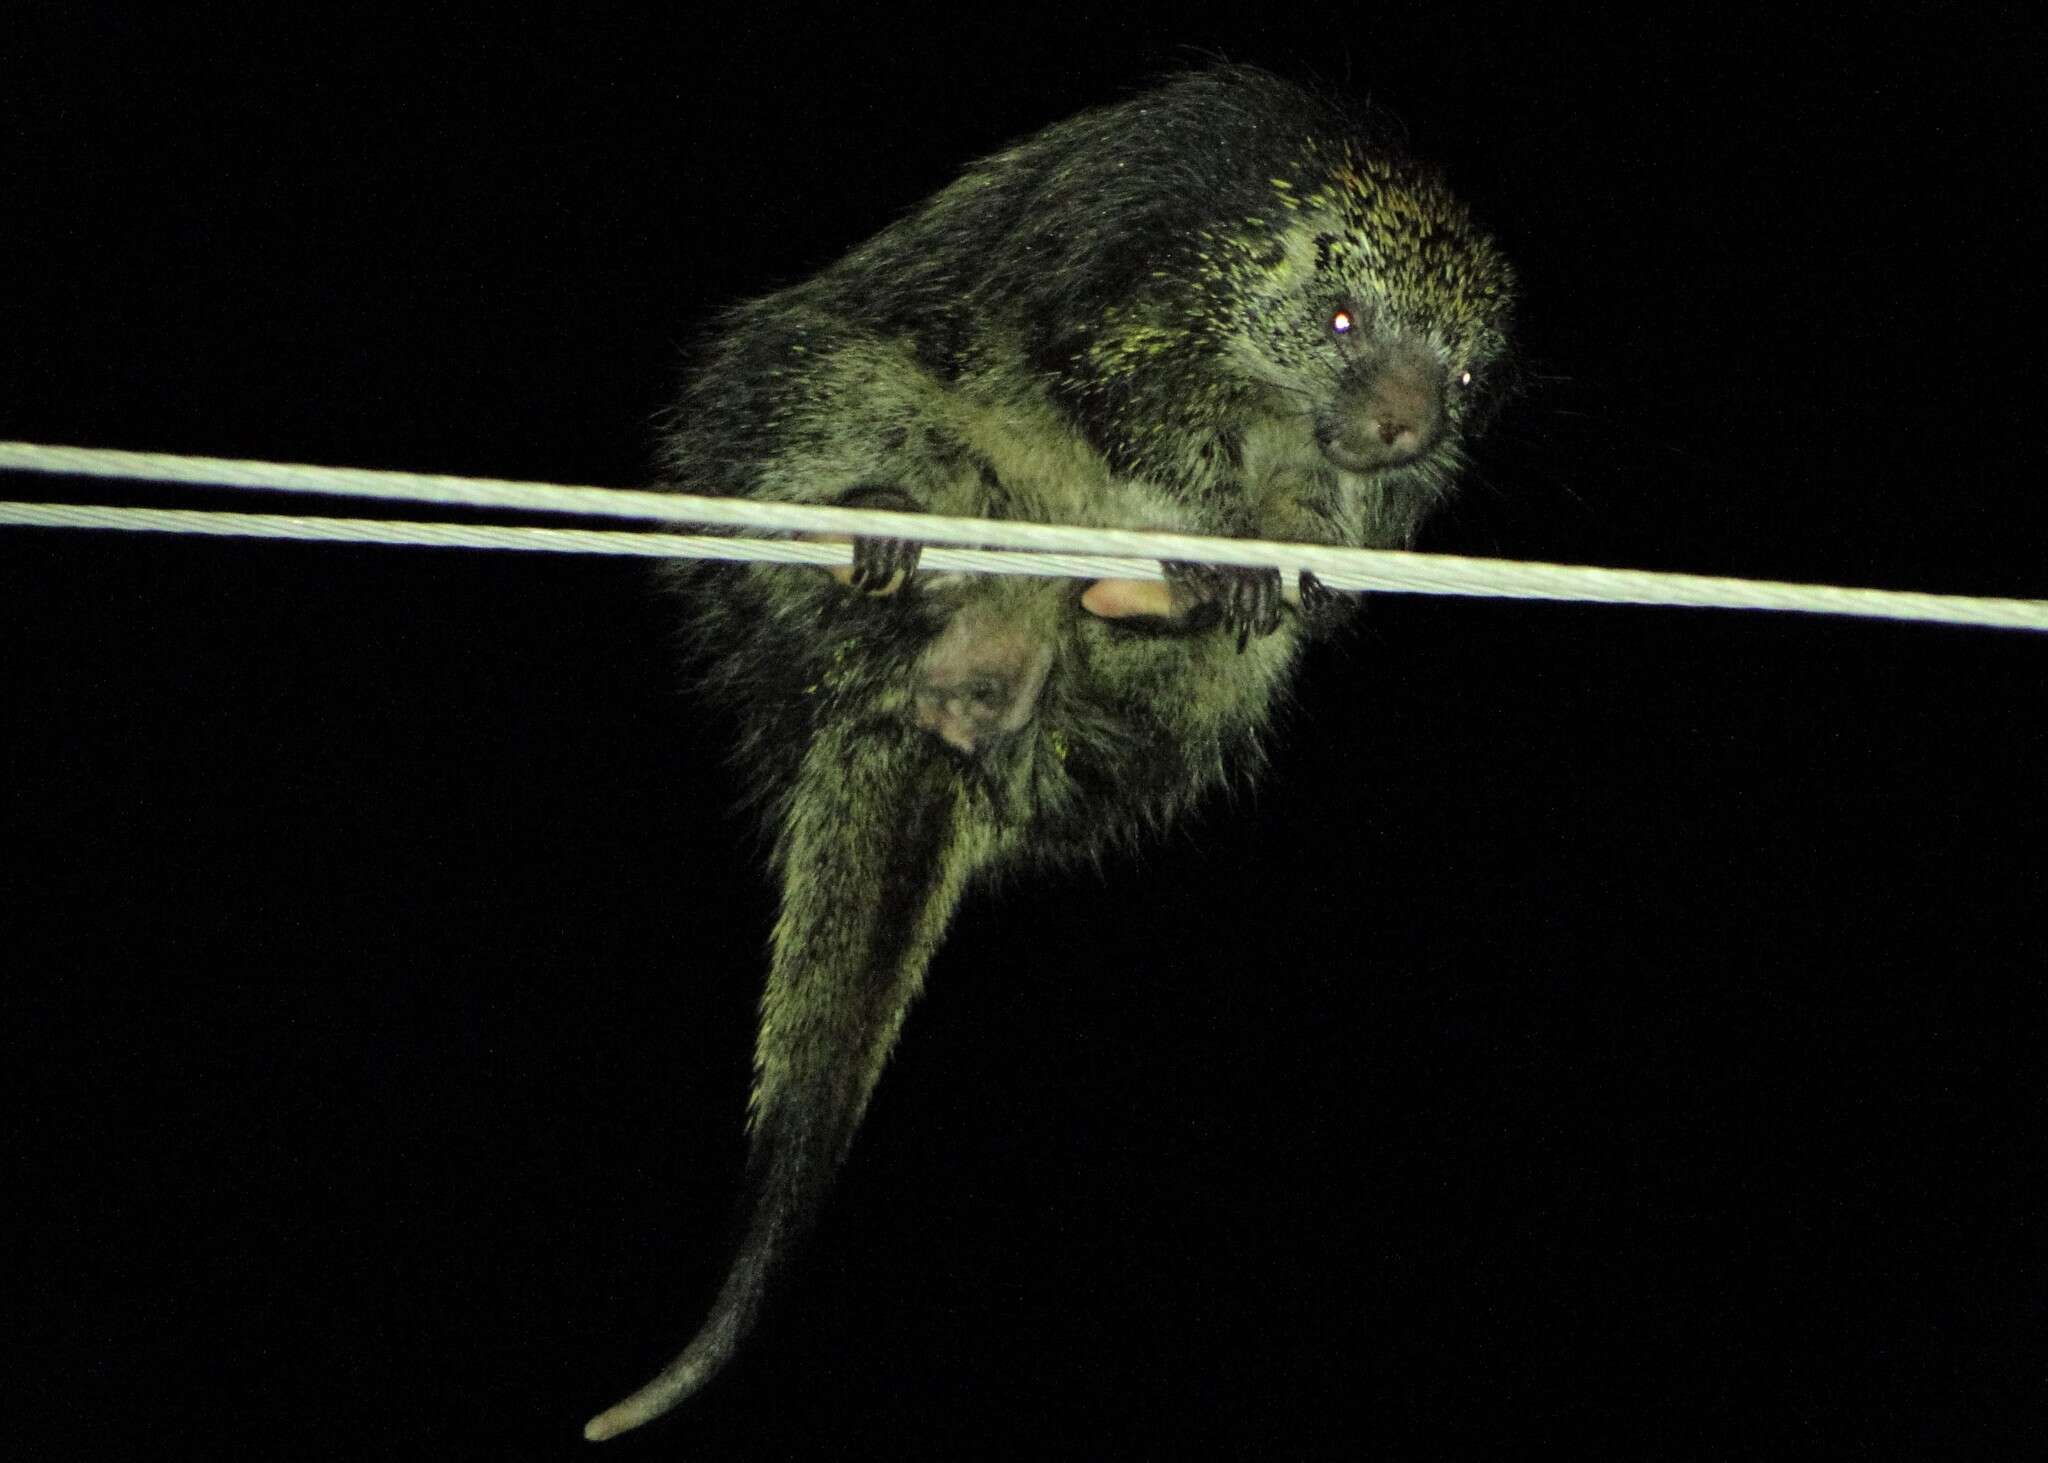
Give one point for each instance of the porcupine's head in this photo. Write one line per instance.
(1368, 293)
(1327, 281)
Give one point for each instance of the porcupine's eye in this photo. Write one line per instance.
(1342, 323)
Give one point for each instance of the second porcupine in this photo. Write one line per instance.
(1220, 307)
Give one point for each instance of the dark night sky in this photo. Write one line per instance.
(1610, 1029)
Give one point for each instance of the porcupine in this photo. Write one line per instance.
(1221, 307)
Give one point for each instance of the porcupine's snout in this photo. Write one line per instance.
(1387, 413)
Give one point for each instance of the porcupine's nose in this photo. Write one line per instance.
(1389, 415)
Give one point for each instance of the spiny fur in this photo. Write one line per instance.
(1125, 320)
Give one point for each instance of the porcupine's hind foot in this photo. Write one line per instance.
(1246, 601)
(881, 566)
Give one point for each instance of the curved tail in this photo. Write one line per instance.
(881, 836)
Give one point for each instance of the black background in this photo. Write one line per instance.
(1608, 1029)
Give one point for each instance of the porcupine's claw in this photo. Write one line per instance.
(1246, 600)
(881, 566)
(1320, 604)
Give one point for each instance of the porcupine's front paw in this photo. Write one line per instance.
(881, 566)
(1246, 601)
(1321, 605)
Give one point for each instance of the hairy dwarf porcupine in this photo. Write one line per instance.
(1221, 307)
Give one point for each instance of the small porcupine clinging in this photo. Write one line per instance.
(1220, 307)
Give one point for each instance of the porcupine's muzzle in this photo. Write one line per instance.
(1387, 414)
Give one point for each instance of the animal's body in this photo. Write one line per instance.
(1220, 307)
